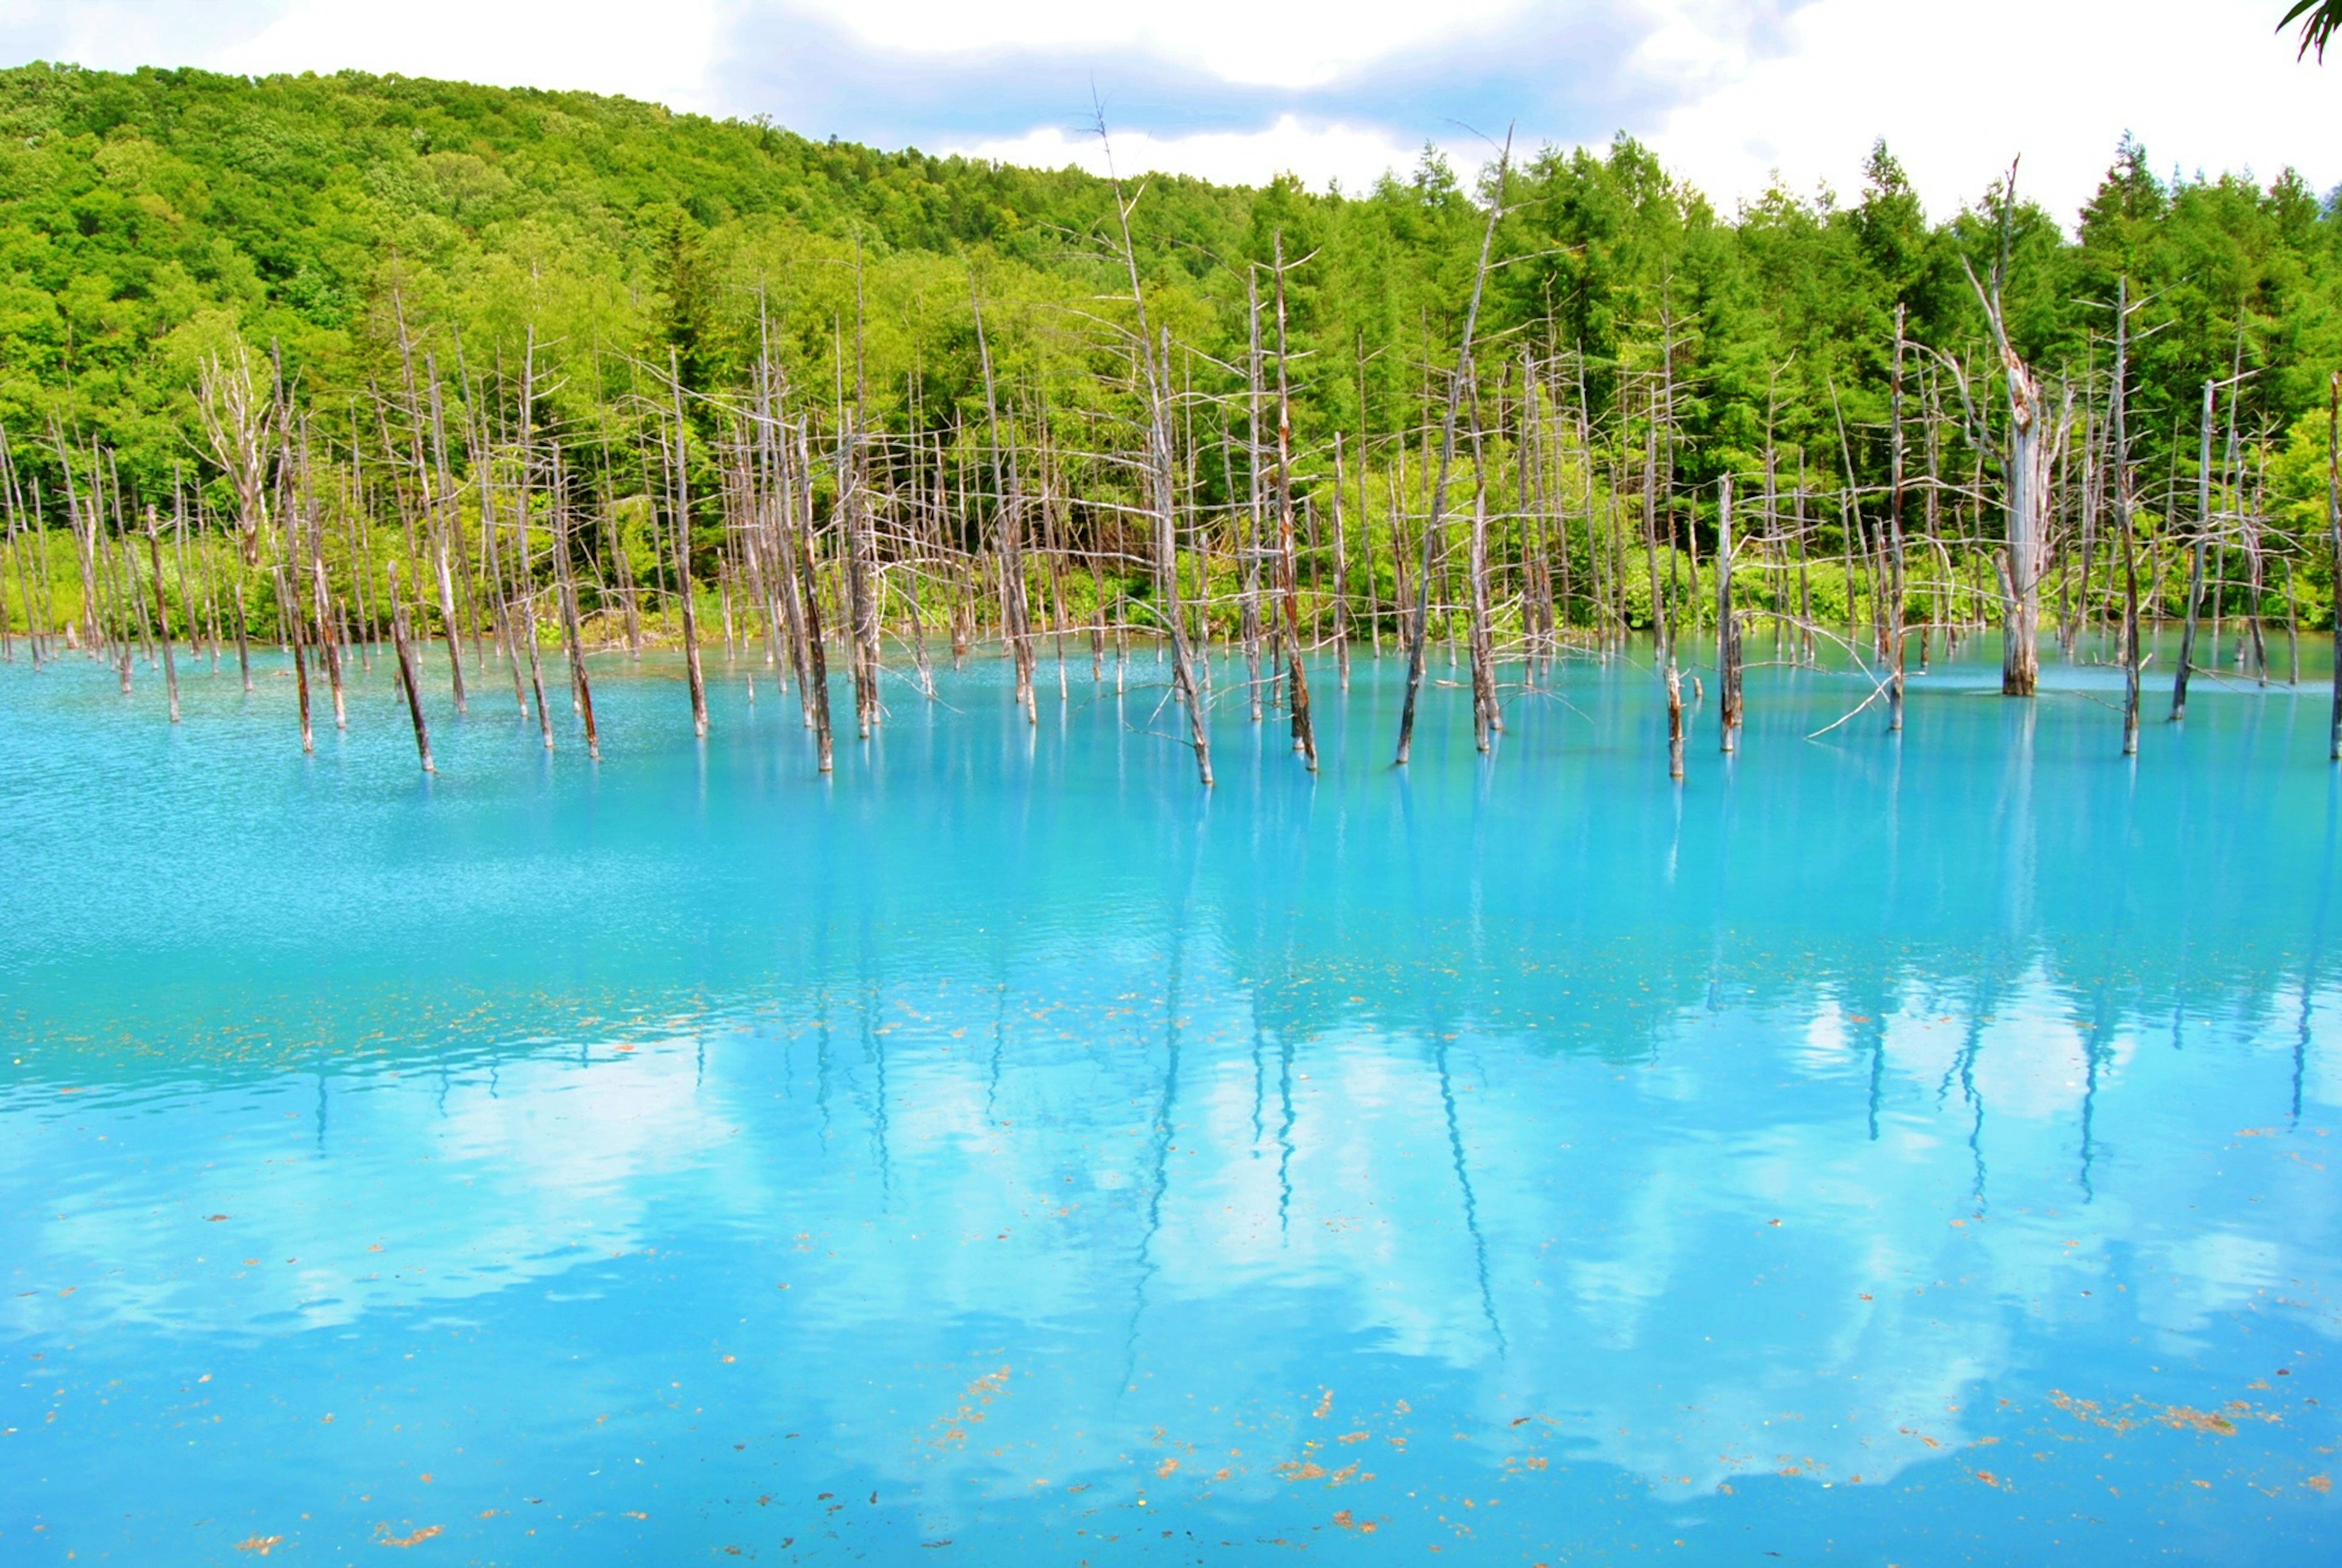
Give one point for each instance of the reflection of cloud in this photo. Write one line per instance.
(2033, 1066)
(498, 1181)
(1694, 1269)
(2210, 1273)
(1520, 1160)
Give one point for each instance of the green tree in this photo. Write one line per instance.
(2318, 19)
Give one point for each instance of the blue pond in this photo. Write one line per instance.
(1916, 1150)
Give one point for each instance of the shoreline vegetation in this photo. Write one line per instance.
(334, 362)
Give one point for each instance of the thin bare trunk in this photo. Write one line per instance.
(1458, 388)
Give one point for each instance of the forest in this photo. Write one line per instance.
(327, 360)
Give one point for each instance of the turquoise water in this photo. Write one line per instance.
(1878, 1151)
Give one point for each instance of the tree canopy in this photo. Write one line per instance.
(151, 217)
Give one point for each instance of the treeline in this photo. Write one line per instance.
(553, 357)
(146, 213)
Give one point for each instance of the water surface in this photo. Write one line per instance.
(1880, 1149)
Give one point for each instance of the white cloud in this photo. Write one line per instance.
(1319, 152)
(1958, 92)
(664, 53)
(1727, 92)
(1287, 45)
(1692, 43)
(116, 34)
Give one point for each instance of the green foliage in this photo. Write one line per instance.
(2319, 20)
(149, 217)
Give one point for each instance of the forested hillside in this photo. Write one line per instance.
(534, 263)
(146, 213)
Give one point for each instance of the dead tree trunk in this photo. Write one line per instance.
(1486, 719)
(2334, 544)
(1007, 504)
(1727, 625)
(2120, 439)
(861, 612)
(1304, 736)
(817, 681)
(238, 420)
(2195, 557)
(1458, 388)
(1249, 545)
(1341, 575)
(1674, 722)
(309, 514)
(291, 610)
(565, 584)
(1895, 537)
(163, 615)
(85, 532)
(682, 555)
(406, 672)
(450, 537)
(2027, 482)
(1154, 367)
(1662, 634)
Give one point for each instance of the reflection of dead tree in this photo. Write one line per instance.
(238, 414)
(1163, 1123)
(1464, 1186)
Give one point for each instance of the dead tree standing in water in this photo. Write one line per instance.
(682, 554)
(1675, 720)
(2195, 557)
(2119, 436)
(295, 636)
(1007, 499)
(817, 681)
(1727, 624)
(525, 565)
(329, 652)
(1155, 368)
(863, 588)
(406, 672)
(1304, 737)
(163, 613)
(450, 541)
(2025, 473)
(581, 685)
(1458, 389)
(239, 421)
(1341, 575)
(1895, 536)
(2334, 540)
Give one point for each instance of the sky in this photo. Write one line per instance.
(1735, 97)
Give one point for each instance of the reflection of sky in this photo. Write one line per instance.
(1908, 1116)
